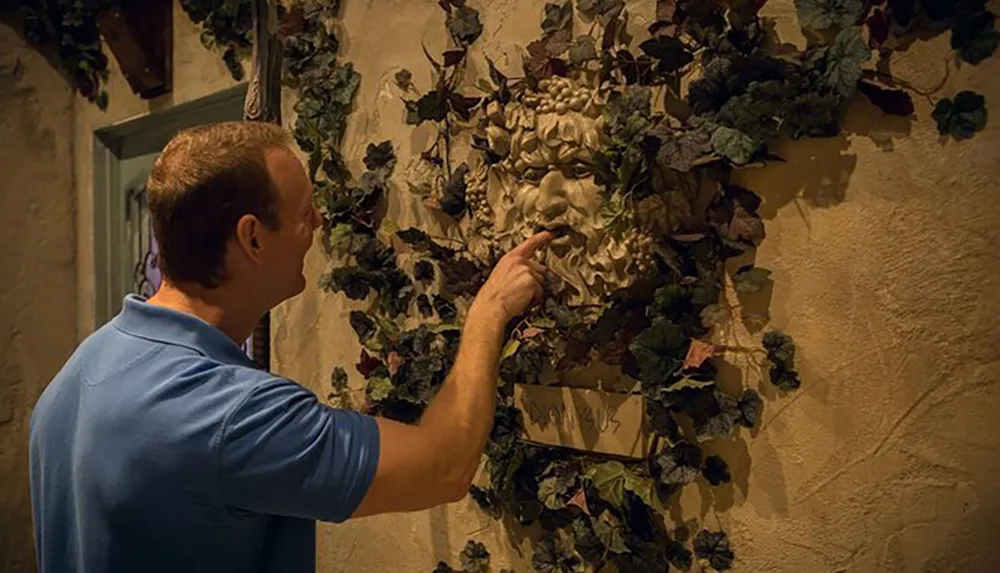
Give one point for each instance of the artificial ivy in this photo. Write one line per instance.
(69, 28)
(226, 27)
(595, 511)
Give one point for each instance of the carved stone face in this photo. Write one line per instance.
(547, 142)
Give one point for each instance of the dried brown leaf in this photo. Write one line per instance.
(698, 353)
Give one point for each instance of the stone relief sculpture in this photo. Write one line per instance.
(548, 140)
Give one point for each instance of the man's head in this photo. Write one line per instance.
(232, 205)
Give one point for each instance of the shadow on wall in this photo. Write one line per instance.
(818, 170)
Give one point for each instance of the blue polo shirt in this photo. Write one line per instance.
(160, 447)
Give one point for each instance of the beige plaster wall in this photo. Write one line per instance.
(882, 462)
(37, 267)
(884, 249)
(197, 72)
(46, 236)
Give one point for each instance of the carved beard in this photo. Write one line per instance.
(585, 257)
(541, 138)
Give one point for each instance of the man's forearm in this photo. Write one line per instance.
(461, 414)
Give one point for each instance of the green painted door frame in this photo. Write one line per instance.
(121, 152)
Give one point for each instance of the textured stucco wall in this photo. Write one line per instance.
(197, 72)
(46, 235)
(882, 462)
(37, 268)
(884, 248)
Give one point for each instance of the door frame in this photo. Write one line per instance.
(130, 138)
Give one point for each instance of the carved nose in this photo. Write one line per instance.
(551, 206)
(552, 199)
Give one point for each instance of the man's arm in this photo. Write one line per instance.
(435, 461)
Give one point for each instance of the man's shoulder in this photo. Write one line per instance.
(141, 372)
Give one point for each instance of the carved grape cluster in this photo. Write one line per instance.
(475, 196)
(640, 246)
(558, 95)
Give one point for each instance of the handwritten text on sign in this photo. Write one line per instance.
(583, 419)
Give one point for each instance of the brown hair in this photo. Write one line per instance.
(205, 179)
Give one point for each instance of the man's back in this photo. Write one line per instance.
(160, 447)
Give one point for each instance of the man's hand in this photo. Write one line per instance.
(516, 283)
(434, 461)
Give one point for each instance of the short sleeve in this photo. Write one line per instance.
(283, 452)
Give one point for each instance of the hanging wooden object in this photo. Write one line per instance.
(140, 36)
(263, 103)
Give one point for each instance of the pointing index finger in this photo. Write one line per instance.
(533, 243)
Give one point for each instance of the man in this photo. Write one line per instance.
(159, 447)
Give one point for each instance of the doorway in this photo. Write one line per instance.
(124, 153)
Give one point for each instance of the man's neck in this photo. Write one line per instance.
(224, 310)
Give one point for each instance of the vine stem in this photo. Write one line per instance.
(447, 145)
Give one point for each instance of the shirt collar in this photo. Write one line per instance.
(144, 320)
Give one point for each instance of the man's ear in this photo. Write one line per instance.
(249, 238)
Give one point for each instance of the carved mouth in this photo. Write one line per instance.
(565, 236)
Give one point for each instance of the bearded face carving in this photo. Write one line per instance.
(544, 144)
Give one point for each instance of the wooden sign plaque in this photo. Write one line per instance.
(584, 419)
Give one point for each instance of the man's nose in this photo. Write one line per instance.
(315, 220)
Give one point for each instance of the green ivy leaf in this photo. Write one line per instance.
(680, 151)
(424, 306)
(609, 530)
(823, 14)
(453, 198)
(973, 33)
(813, 114)
(404, 79)
(338, 383)
(362, 325)
(558, 17)
(461, 277)
(660, 351)
(678, 466)
(733, 215)
(423, 271)
(963, 117)
(474, 557)
(843, 61)
(354, 282)
(582, 51)
(340, 235)
(750, 406)
(380, 157)
(669, 51)
(619, 219)
(714, 546)
(734, 145)
(609, 479)
(553, 555)
(445, 308)
(379, 388)
(464, 25)
(718, 419)
(552, 490)
(781, 353)
(612, 479)
(421, 241)
(678, 555)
